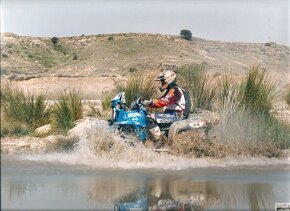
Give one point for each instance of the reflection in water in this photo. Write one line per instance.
(253, 196)
(192, 195)
(258, 200)
(133, 190)
(19, 190)
(110, 189)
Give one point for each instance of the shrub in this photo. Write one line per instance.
(75, 56)
(132, 69)
(4, 55)
(60, 48)
(54, 40)
(66, 110)
(288, 96)
(3, 71)
(202, 90)
(186, 34)
(110, 38)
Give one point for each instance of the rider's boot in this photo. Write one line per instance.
(157, 135)
(159, 143)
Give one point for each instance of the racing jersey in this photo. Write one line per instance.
(172, 100)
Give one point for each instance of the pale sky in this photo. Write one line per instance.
(225, 20)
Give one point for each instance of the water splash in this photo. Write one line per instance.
(100, 147)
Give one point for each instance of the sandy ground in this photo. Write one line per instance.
(90, 87)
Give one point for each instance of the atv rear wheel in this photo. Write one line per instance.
(191, 144)
(182, 126)
(175, 129)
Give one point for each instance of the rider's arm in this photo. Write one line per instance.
(170, 98)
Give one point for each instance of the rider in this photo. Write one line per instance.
(173, 100)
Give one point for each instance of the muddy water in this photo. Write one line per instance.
(28, 183)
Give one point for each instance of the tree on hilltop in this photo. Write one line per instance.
(54, 40)
(186, 34)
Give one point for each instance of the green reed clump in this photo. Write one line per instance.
(139, 84)
(24, 108)
(275, 131)
(106, 102)
(227, 97)
(258, 91)
(264, 128)
(94, 111)
(244, 106)
(12, 127)
(195, 79)
(66, 110)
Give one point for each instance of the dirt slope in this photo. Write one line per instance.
(97, 55)
(92, 63)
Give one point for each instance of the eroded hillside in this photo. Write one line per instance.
(97, 55)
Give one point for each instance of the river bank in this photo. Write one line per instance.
(92, 139)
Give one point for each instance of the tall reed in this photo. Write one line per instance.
(139, 84)
(66, 110)
(258, 91)
(227, 97)
(26, 108)
(245, 106)
(195, 79)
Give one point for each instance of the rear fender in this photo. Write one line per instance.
(184, 125)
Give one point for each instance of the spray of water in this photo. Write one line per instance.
(100, 147)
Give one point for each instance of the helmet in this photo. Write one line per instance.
(167, 77)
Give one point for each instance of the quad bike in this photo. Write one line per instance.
(134, 120)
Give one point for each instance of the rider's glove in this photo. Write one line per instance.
(146, 102)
